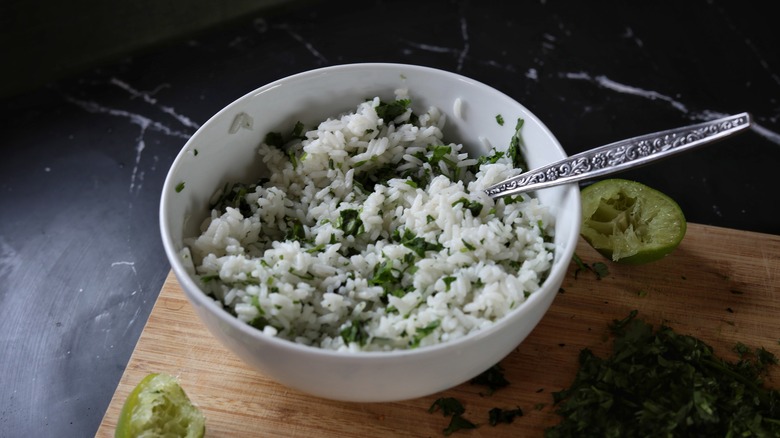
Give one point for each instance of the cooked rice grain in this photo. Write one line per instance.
(317, 256)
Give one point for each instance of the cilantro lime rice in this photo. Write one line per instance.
(372, 233)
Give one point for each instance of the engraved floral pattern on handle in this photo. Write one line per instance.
(622, 155)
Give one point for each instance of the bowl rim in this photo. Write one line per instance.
(205, 301)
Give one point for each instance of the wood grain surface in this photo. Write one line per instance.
(720, 285)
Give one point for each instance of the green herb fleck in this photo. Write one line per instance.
(423, 332)
(513, 199)
(500, 119)
(599, 268)
(457, 422)
(448, 406)
(383, 274)
(389, 111)
(274, 139)
(493, 378)
(209, 278)
(421, 246)
(497, 416)
(295, 230)
(515, 150)
(354, 332)
(349, 221)
(179, 187)
(473, 206)
(235, 197)
(297, 131)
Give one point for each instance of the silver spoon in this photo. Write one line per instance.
(621, 155)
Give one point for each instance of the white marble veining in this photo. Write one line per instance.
(144, 122)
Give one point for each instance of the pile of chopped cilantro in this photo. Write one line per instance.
(660, 383)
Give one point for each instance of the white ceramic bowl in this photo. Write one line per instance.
(471, 108)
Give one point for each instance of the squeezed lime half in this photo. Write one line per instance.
(630, 222)
(159, 407)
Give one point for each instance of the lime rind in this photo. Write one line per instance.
(159, 407)
(630, 222)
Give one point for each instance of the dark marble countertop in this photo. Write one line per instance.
(84, 158)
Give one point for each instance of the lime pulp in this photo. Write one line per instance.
(159, 407)
(630, 222)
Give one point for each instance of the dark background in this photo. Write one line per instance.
(97, 101)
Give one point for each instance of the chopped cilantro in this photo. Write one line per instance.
(500, 119)
(421, 246)
(274, 139)
(317, 248)
(349, 221)
(297, 131)
(498, 415)
(657, 382)
(389, 111)
(448, 281)
(513, 199)
(515, 151)
(354, 332)
(448, 406)
(293, 158)
(457, 422)
(489, 159)
(473, 206)
(302, 276)
(423, 332)
(599, 268)
(179, 187)
(235, 197)
(372, 176)
(417, 244)
(295, 230)
(493, 378)
(440, 153)
(383, 274)
(208, 278)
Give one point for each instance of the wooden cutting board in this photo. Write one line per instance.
(720, 285)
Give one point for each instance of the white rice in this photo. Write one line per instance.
(372, 286)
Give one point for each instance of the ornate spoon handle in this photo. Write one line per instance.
(621, 155)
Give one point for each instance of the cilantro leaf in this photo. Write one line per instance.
(274, 139)
(389, 111)
(493, 378)
(473, 206)
(349, 221)
(448, 406)
(457, 422)
(515, 151)
(423, 332)
(498, 415)
(355, 332)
